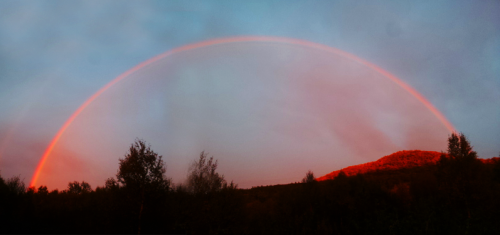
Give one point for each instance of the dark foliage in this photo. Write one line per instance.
(309, 178)
(142, 169)
(203, 177)
(444, 198)
(76, 187)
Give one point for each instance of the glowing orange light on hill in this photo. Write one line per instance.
(304, 43)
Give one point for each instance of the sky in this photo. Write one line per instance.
(268, 111)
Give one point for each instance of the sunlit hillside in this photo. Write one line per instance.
(398, 160)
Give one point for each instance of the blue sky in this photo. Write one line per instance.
(55, 54)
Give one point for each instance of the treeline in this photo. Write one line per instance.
(458, 195)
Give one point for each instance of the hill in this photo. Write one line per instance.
(397, 160)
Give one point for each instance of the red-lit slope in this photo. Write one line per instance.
(397, 160)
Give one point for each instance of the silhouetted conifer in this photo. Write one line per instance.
(461, 161)
(460, 149)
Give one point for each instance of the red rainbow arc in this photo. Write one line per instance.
(308, 44)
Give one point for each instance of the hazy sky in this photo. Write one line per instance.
(56, 54)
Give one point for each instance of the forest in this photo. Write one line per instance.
(459, 194)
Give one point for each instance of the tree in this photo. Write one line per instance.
(341, 176)
(142, 174)
(203, 178)
(79, 188)
(15, 185)
(43, 190)
(459, 148)
(111, 184)
(142, 169)
(460, 155)
(496, 169)
(460, 161)
(458, 174)
(309, 178)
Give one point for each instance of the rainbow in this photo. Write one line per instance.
(299, 42)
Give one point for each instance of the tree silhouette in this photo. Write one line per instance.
(203, 178)
(79, 188)
(43, 190)
(15, 185)
(458, 174)
(341, 176)
(142, 174)
(460, 156)
(142, 169)
(111, 184)
(461, 161)
(309, 178)
(496, 169)
(459, 148)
